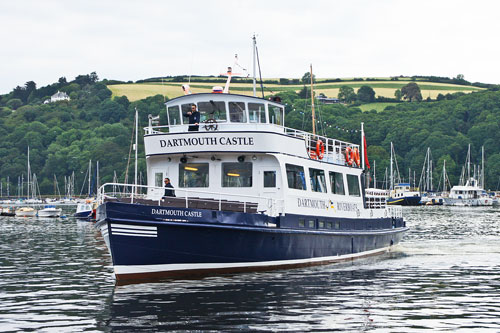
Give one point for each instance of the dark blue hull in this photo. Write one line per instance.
(405, 201)
(189, 242)
(83, 215)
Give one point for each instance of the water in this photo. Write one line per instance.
(56, 275)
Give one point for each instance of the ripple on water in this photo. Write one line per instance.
(445, 275)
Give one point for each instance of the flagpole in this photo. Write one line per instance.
(362, 146)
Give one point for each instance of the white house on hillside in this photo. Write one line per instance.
(58, 96)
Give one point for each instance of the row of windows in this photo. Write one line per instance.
(237, 112)
(311, 224)
(296, 179)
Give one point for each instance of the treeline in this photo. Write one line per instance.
(63, 136)
(447, 127)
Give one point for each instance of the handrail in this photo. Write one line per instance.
(268, 205)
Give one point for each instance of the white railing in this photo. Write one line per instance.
(153, 194)
(395, 211)
(333, 149)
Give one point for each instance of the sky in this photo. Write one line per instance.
(132, 40)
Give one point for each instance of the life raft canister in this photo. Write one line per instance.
(320, 149)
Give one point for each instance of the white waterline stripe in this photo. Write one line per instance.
(135, 269)
(130, 234)
(135, 227)
(153, 232)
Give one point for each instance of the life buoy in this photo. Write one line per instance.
(355, 157)
(320, 149)
(348, 156)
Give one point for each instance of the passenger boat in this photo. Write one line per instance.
(470, 193)
(404, 195)
(251, 194)
(49, 211)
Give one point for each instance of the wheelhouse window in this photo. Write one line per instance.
(212, 110)
(318, 183)
(237, 174)
(174, 116)
(185, 108)
(269, 178)
(295, 177)
(337, 183)
(193, 175)
(275, 114)
(353, 185)
(237, 112)
(257, 112)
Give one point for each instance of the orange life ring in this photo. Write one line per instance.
(348, 156)
(356, 157)
(320, 149)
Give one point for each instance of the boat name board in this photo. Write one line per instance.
(207, 141)
(228, 142)
(175, 212)
(323, 204)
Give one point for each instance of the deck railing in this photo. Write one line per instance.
(334, 149)
(191, 198)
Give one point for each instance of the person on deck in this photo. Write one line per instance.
(169, 192)
(194, 119)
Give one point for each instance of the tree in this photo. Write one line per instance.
(306, 78)
(366, 94)
(347, 94)
(305, 92)
(14, 103)
(398, 94)
(411, 92)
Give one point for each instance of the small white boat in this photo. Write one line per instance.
(26, 212)
(50, 211)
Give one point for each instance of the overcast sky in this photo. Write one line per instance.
(131, 40)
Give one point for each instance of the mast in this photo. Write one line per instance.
(362, 146)
(312, 102)
(392, 173)
(8, 184)
(90, 169)
(135, 149)
(29, 172)
(254, 69)
(444, 176)
(374, 174)
(468, 163)
(482, 167)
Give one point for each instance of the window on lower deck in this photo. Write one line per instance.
(159, 179)
(353, 185)
(269, 178)
(193, 175)
(318, 183)
(295, 177)
(337, 183)
(237, 174)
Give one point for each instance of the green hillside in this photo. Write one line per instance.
(97, 124)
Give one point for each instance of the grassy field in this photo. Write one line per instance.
(137, 91)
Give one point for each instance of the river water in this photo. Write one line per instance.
(56, 275)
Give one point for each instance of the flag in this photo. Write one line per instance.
(365, 153)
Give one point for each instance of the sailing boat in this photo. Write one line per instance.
(401, 193)
(471, 193)
(27, 211)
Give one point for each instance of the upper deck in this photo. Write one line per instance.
(225, 117)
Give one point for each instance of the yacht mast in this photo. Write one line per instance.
(468, 164)
(312, 103)
(29, 172)
(392, 173)
(482, 167)
(90, 172)
(254, 64)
